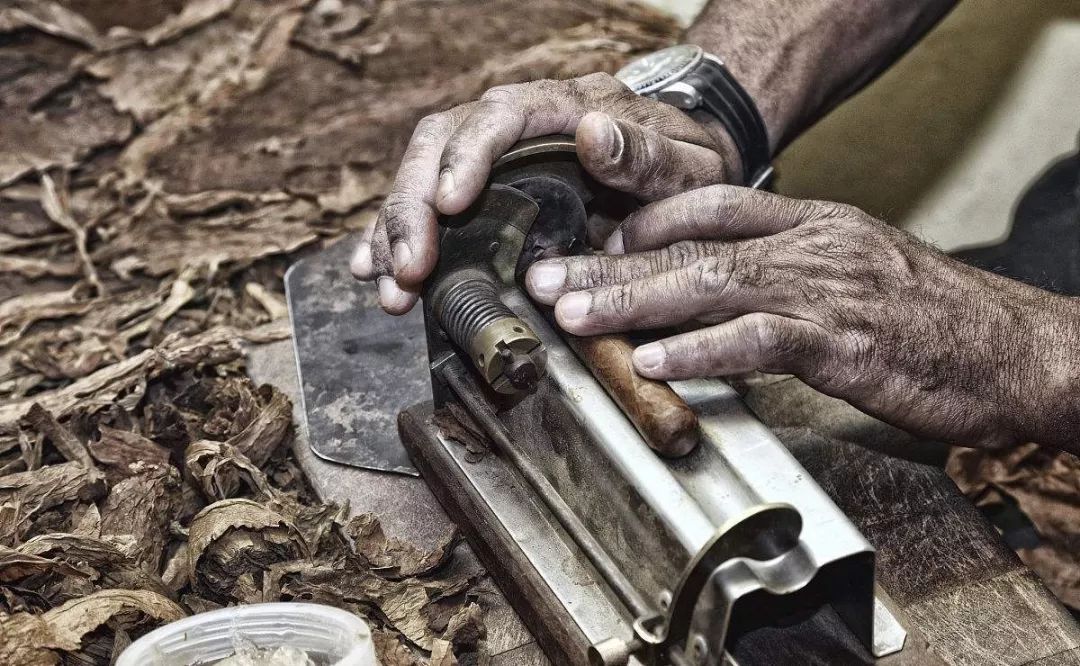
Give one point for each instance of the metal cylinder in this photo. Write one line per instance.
(504, 350)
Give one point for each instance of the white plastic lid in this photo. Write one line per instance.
(328, 635)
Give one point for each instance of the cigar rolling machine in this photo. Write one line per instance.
(628, 521)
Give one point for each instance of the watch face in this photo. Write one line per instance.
(652, 72)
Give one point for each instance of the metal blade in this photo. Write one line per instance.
(358, 366)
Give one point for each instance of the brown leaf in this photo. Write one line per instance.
(19, 312)
(261, 438)
(219, 468)
(466, 627)
(141, 506)
(355, 188)
(457, 425)
(259, 536)
(103, 387)
(193, 14)
(59, 131)
(392, 651)
(49, 17)
(34, 267)
(39, 418)
(158, 246)
(442, 654)
(1044, 484)
(30, 639)
(15, 565)
(392, 557)
(35, 491)
(272, 303)
(113, 559)
(119, 449)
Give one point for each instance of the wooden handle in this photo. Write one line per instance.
(663, 418)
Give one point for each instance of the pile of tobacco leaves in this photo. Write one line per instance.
(161, 163)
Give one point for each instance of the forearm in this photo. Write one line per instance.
(800, 58)
(1045, 401)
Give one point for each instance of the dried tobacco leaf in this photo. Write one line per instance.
(456, 424)
(16, 565)
(442, 654)
(392, 651)
(32, 492)
(49, 17)
(1044, 484)
(31, 639)
(39, 418)
(213, 347)
(120, 449)
(112, 560)
(141, 506)
(395, 558)
(37, 135)
(236, 536)
(466, 627)
(218, 469)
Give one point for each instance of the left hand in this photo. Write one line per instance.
(855, 308)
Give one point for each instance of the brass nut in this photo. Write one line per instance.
(508, 354)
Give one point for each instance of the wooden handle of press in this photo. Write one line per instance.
(663, 418)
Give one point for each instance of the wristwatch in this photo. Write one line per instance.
(690, 79)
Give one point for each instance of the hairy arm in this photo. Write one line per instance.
(798, 59)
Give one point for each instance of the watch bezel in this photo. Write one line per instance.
(658, 82)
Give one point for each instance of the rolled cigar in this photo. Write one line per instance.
(663, 418)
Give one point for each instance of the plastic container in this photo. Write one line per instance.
(328, 635)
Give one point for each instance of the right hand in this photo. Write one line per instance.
(630, 143)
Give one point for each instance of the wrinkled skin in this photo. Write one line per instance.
(628, 142)
(855, 308)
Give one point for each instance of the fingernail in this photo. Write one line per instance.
(446, 184)
(614, 242)
(361, 262)
(650, 356)
(402, 256)
(615, 141)
(546, 278)
(573, 307)
(390, 295)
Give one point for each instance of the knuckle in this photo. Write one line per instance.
(835, 211)
(602, 80)
(619, 301)
(728, 204)
(599, 271)
(432, 128)
(395, 212)
(788, 346)
(711, 275)
(504, 95)
(680, 254)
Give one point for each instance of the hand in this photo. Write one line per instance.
(628, 142)
(855, 308)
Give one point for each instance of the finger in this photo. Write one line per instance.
(507, 114)
(503, 116)
(361, 264)
(550, 279)
(757, 341)
(722, 212)
(393, 297)
(409, 212)
(642, 161)
(496, 123)
(711, 288)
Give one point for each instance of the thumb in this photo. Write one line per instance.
(641, 161)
